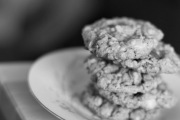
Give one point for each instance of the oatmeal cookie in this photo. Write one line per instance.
(126, 83)
(162, 59)
(108, 110)
(113, 78)
(156, 98)
(121, 39)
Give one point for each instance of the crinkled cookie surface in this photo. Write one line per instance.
(121, 38)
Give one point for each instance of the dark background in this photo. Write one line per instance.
(56, 24)
(165, 14)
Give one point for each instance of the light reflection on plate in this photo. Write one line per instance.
(57, 79)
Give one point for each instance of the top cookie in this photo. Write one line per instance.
(121, 39)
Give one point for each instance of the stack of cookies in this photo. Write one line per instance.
(127, 61)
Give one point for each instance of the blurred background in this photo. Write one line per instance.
(31, 28)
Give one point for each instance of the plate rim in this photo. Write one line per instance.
(32, 67)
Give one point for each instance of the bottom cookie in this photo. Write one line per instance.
(105, 109)
(160, 97)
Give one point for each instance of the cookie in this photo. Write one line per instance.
(125, 84)
(156, 98)
(113, 78)
(162, 59)
(120, 39)
(105, 109)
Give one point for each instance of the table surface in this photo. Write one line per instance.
(16, 101)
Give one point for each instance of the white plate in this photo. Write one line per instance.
(56, 80)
